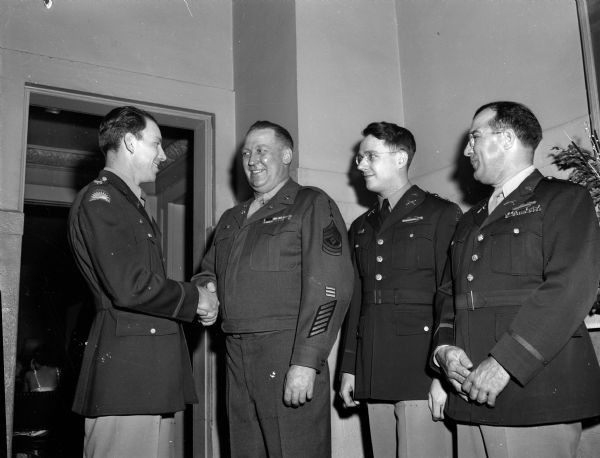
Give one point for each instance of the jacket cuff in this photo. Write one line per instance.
(518, 358)
(308, 357)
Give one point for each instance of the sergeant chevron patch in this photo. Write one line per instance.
(332, 240)
(322, 319)
(329, 291)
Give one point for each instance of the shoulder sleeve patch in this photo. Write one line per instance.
(322, 319)
(99, 195)
(332, 240)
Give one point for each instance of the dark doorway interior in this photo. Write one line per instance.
(55, 311)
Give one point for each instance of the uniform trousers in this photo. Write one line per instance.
(260, 424)
(406, 430)
(547, 441)
(131, 436)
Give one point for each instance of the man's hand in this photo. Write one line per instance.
(436, 399)
(208, 304)
(455, 363)
(299, 384)
(486, 382)
(347, 390)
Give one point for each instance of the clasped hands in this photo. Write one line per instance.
(208, 304)
(483, 384)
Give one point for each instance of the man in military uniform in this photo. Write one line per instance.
(282, 267)
(136, 370)
(525, 271)
(398, 259)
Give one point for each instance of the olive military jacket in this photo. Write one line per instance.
(387, 333)
(136, 358)
(286, 267)
(524, 279)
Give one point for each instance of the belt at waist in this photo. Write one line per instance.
(397, 296)
(478, 299)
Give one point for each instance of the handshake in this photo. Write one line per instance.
(208, 304)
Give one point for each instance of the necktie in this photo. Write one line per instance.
(497, 197)
(384, 211)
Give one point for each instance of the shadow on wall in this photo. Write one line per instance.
(472, 191)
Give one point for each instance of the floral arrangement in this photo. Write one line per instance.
(584, 165)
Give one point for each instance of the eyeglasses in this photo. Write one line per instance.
(371, 156)
(474, 138)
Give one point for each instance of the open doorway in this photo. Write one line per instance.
(55, 308)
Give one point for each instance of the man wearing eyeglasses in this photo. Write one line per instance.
(399, 252)
(525, 266)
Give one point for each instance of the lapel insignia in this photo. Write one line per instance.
(100, 195)
(361, 230)
(411, 202)
(277, 219)
(523, 209)
(412, 219)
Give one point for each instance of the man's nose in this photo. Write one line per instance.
(468, 150)
(161, 154)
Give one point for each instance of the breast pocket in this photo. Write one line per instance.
(276, 248)
(516, 251)
(413, 247)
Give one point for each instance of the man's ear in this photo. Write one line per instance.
(508, 138)
(129, 141)
(402, 159)
(287, 156)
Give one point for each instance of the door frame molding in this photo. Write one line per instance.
(203, 125)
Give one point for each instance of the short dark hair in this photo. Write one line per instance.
(281, 133)
(515, 116)
(117, 123)
(393, 136)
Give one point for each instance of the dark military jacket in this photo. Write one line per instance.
(398, 267)
(286, 267)
(136, 359)
(524, 279)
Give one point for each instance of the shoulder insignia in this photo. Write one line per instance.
(332, 240)
(322, 319)
(99, 195)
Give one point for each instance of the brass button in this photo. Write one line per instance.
(152, 331)
(426, 328)
(474, 257)
(379, 241)
(379, 258)
(480, 237)
(470, 277)
(516, 230)
(378, 277)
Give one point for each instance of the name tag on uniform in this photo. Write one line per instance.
(523, 209)
(412, 219)
(277, 219)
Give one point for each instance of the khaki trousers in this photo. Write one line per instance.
(406, 430)
(129, 436)
(548, 441)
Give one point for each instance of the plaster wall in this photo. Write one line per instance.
(456, 56)
(172, 53)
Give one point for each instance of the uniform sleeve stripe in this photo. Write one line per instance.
(322, 319)
(180, 303)
(530, 348)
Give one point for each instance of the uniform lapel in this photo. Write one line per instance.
(122, 187)
(406, 205)
(519, 196)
